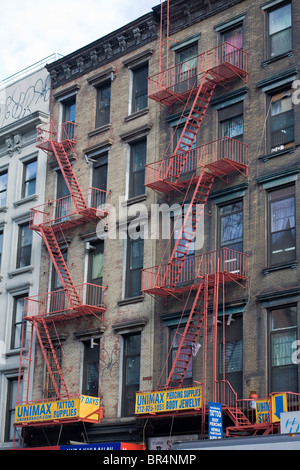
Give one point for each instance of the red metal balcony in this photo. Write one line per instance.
(47, 134)
(58, 304)
(221, 157)
(231, 264)
(222, 63)
(65, 211)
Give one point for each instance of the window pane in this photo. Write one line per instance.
(30, 179)
(140, 88)
(282, 350)
(280, 19)
(233, 128)
(25, 241)
(234, 37)
(137, 175)
(284, 318)
(232, 225)
(3, 188)
(103, 105)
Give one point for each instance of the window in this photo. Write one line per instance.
(91, 357)
(63, 198)
(3, 188)
(186, 62)
(135, 261)
(100, 172)
(283, 332)
(68, 115)
(29, 178)
(231, 357)
(95, 266)
(103, 105)
(282, 231)
(175, 338)
(58, 296)
(234, 36)
(18, 310)
(191, 162)
(24, 246)
(131, 372)
(12, 391)
(137, 168)
(185, 245)
(280, 30)
(231, 226)
(139, 88)
(232, 122)
(50, 391)
(281, 121)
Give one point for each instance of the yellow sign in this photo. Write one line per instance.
(168, 400)
(279, 405)
(265, 413)
(262, 409)
(83, 407)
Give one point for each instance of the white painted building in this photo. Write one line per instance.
(24, 104)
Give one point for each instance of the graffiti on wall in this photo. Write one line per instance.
(20, 101)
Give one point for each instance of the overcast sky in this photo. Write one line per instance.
(31, 30)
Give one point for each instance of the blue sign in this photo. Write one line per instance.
(109, 446)
(215, 420)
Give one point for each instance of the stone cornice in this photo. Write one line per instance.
(104, 50)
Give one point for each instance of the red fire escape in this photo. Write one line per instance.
(192, 171)
(45, 311)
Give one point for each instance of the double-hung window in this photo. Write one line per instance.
(281, 121)
(134, 264)
(24, 246)
(139, 88)
(131, 372)
(103, 105)
(282, 226)
(280, 30)
(3, 188)
(137, 168)
(283, 335)
(29, 178)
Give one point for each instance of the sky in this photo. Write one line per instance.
(31, 30)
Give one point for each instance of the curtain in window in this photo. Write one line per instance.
(282, 348)
(283, 214)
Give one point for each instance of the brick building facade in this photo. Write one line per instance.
(252, 211)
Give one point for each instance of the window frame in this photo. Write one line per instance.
(19, 264)
(269, 35)
(223, 216)
(102, 113)
(135, 188)
(91, 351)
(286, 93)
(126, 411)
(3, 191)
(278, 331)
(129, 293)
(137, 91)
(270, 232)
(29, 180)
(17, 322)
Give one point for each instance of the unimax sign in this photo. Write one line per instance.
(80, 407)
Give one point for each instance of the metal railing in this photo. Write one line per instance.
(196, 268)
(185, 75)
(59, 302)
(224, 148)
(61, 210)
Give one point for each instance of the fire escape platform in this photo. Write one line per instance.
(220, 157)
(64, 213)
(230, 264)
(178, 83)
(57, 305)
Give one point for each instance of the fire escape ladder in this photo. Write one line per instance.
(60, 265)
(189, 336)
(50, 357)
(185, 143)
(69, 176)
(188, 229)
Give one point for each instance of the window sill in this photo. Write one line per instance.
(24, 200)
(15, 272)
(99, 130)
(131, 300)
(266, 158)
(137, 114)
(292, 265)
(134, 200)
(265, 63)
